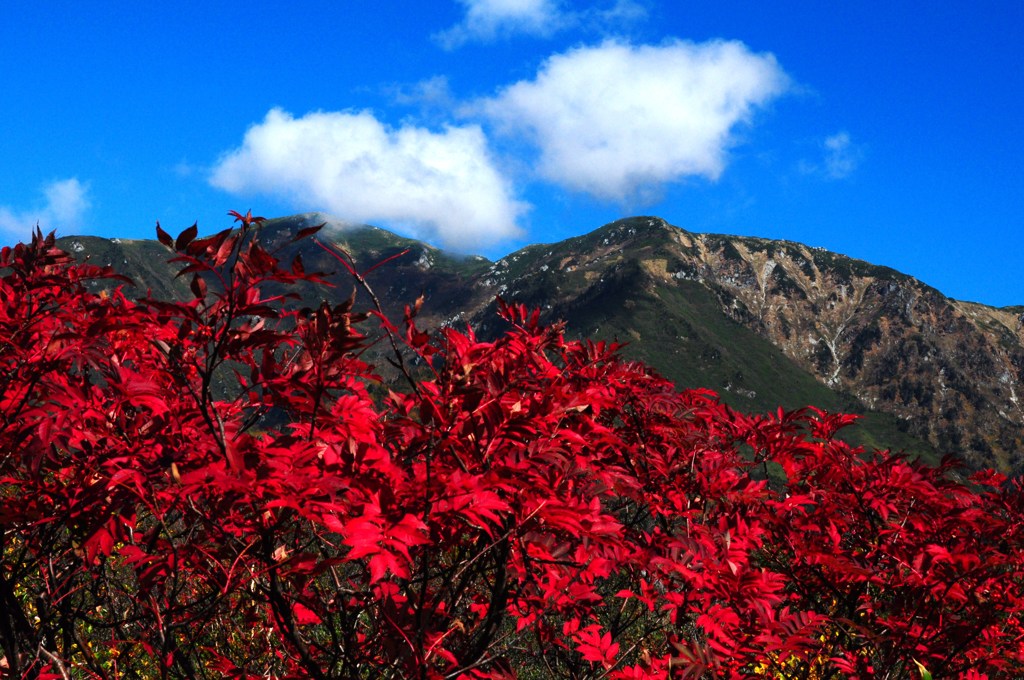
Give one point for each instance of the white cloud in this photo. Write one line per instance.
(432, 98)
(185, 169)
(617, 121)
(433, 92)
(440, 184)
(841, 157)
(66, 204)
(619, 15)
(488, 19)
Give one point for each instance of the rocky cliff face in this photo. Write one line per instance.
(952, 372)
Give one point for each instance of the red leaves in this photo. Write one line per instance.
(304, 616)
(247, 219)
(163, 236)
(596, 646)
(386, 543)
(530, 503)
(467, 499)
(186, 237)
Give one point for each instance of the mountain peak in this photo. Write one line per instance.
(632, 227)
(332, 222)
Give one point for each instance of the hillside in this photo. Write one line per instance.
(738, 313)
(764, 323)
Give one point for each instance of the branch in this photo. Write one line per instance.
(361, 280)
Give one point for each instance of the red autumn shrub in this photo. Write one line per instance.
(525, 507)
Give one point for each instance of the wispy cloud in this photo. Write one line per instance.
(437, 184)
(433, 97)
(487, 20)
(433, 91)
(64, 206)
(840, 157)
(617, 121)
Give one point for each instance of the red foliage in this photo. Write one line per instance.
(529, 505)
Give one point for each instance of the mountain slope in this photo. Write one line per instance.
(764, 323)
(946, 372)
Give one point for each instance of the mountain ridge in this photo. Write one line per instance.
(763, 322)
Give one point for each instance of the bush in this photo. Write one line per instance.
(528, 507)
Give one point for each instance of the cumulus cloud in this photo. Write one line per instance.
(441, 184)
(66, 203)
(617, 121)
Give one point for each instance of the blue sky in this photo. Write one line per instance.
(887, 131)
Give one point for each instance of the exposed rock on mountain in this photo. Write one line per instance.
(950, 371)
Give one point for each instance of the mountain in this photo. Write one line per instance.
(764, 323)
